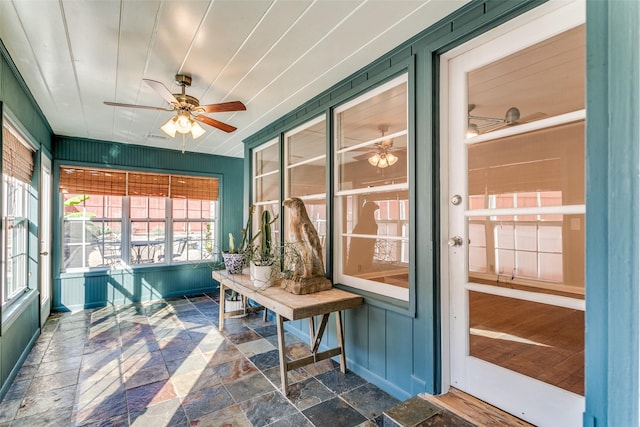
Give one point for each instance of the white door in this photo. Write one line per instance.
(514, 215)
(45, 239)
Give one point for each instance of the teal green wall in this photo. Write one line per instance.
(613, 214)
(397, 346)
(20, 324)
(73, 291)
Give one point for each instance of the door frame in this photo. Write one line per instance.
(532, 21)
(45, 196)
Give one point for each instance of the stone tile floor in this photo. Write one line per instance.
(165, 363)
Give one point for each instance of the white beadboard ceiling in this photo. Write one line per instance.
(273, 55)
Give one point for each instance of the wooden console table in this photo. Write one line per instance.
(288, 306)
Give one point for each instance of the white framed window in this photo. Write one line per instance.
(372, 211)
(17, 167)
(117, 218)
(306, 169)
(266, 184)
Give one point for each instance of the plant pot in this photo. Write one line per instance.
(262, 276)
(233, 305)
(234, 262)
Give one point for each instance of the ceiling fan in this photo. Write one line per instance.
(511, 118)
(382, 156)
(187, 109)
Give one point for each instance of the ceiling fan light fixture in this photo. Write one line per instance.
(196, 130)
(391, 159)
(374, 160)
(170, 127)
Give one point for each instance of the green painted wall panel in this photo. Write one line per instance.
(377, 346)
(17, 339)
(75, 292)
(357, 335)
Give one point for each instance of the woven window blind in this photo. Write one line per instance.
(189, 187)
(93, 181)
(144, 184)
(121, 183)
(17, 159)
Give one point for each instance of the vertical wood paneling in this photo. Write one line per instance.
(16, 339)
(377, 348)
(357, 330)
(126, 286)
(399, 354)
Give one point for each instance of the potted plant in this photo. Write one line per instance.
(236, 258)
(265, 260)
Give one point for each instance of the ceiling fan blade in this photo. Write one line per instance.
(215, 123)
(146, 107)
(162, 91)
(532, 117)
(222, 107)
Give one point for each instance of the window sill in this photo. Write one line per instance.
(16, 308)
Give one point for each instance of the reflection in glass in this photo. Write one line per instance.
(528, 253)
(541, 168)
(357, 171)
(266, 160)
(542, 341)
(544, 80)
(307, 179)
(377, 238)
(267, 187)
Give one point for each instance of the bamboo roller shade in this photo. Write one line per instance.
(74, 180)
(17, 159)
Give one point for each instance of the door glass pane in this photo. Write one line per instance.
(528, 255)
(517, 89)
(542, 168)
(538, 340)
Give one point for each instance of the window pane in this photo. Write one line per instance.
(267, 187)
(307, 143)
(536, 76)
(544, 251)
(307, 179)
(377, 237)
(371, 149)
(357, 171)
(267, 159)
(526, 169)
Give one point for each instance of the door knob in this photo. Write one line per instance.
(455, 241)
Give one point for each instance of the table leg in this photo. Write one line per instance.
(281, 350)
(340, 336)
(221, 308)
(312, 330)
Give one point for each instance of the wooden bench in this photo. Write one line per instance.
(288, 306)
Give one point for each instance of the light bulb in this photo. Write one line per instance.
(170, 127)
(472, 130)
(383, 162)
(183, 124)
(391, 159)
(374, 160)
(196, 130)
